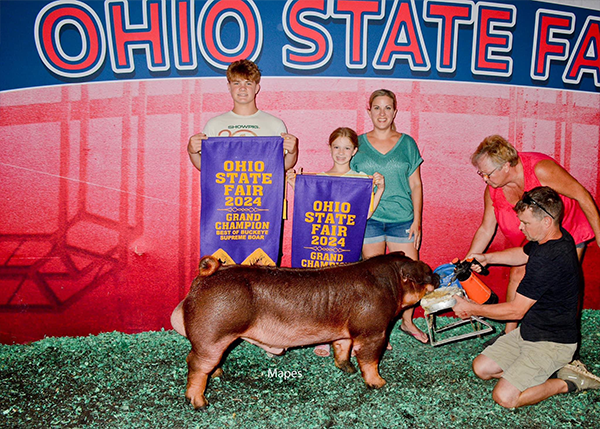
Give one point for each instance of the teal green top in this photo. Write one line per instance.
(396, 166)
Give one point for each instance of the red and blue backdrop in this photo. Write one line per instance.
(100, 206)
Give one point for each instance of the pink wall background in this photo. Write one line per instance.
(99, 204)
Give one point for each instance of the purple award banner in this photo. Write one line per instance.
(242, 184)
(330, 214)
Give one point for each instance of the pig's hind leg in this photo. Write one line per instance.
(341, 355)
(201, 362)
(369, 349)
(177, 319)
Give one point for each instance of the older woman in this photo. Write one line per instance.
(508, 175)
(397, 221)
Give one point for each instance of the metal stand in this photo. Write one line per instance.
(476, 323)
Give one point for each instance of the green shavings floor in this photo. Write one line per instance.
(119, 381)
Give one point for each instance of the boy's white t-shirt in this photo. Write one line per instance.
(229, 124)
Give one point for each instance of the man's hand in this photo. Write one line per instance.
(479, 257)
(463, 308)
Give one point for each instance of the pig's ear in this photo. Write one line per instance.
(407, 272)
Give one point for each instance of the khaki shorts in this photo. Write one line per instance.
(528, 363)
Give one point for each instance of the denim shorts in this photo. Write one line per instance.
(389, 232)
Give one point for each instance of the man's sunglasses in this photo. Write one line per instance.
(530, 201)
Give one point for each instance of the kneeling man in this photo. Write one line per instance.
(546, 304)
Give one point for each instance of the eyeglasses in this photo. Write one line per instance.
(486, 176)
(530, 201)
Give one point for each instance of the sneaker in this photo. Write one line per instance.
(578, 365)
(583, 380)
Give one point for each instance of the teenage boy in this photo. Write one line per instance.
(245, 119)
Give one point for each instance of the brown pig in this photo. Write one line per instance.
(351, 306)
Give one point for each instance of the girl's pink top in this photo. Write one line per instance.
(574, 219)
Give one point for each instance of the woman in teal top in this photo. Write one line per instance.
(397, 221)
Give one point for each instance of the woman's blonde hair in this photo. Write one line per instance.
(498, 149)
(383, 93)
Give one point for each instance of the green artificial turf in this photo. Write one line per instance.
(117, 380)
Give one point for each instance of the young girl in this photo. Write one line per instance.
(343, 144)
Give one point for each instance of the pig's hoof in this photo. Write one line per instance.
(346, 366)
(199, 402)
(218, 373)
(377, 385)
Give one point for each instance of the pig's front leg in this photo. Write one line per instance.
(368, 353)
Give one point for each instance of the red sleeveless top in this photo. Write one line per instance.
(574, 219)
